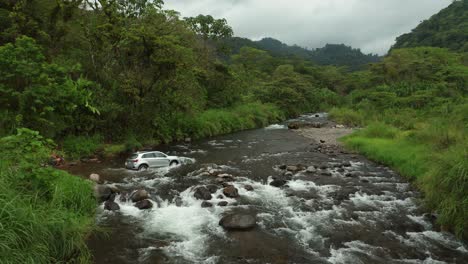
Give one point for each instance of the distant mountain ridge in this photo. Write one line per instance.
(446, 29)
(330, 54)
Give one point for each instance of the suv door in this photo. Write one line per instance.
(161, 159)
(150, 158)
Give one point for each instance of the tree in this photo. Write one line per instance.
(209, 27)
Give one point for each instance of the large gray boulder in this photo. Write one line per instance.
(139, 195)
(202, 193)
(238, 221)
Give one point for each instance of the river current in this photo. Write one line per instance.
(346, 210)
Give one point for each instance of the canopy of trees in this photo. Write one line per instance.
(447, 29)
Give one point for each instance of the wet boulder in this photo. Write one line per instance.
(223, 203)
(144, 204)
(102, 192)
(139, 195)
(311, 169)
(248, 187)
(231, 192)
(346, 164)
(206, 204)
(292, 168)
(278, 183)
(202, 193)
(111, 206)
(238, 221)
(353, 174)
(294, 125)
(212, 188)
(282, 167)
(220, 196)
(178, 201)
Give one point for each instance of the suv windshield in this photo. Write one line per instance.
(133, 156)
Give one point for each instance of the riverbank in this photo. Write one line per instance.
(45, 214)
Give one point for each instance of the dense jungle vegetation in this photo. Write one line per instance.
(113, 75)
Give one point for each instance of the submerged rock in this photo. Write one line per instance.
(111, 206)
(238, 221)
(248, 187)
(231, 192)
(202, 193)
(311, 169)
(139, 195)
(144, 204)
(278, 183)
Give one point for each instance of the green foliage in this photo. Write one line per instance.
(347, 116)
(37, 93)
(447, 29)
(331, 54)
(446, 188)
(45, 213)
(209, 27)
(81, 146)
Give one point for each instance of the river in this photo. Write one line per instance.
(350, 210)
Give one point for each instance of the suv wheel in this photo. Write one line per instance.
(143, 167)
(173, 163)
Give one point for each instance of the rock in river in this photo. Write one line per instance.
(102, 192)
(111, 206)
(231, 191)
(202, 193)
(144, 204)
(278, 183)
(139, 195)
(223, 203)
(206, 204)
(95, 177)
(248, 187)
(238, 221)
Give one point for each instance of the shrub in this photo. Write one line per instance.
(347, 116)
(81, 146)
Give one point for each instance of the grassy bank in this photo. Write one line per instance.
(45, 214)
(435, 161)
(209, 123)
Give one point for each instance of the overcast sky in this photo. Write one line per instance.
(371, 25)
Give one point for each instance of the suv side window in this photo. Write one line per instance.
(159, 155)
(148, 156)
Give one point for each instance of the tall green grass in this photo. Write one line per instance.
(45, 214)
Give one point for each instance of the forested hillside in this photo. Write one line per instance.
(447, 29)
(338, 55)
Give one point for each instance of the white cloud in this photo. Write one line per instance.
(371, 25)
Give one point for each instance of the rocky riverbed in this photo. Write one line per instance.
(271, 195)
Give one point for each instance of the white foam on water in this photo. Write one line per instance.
(189, 227)
(381, 203)
(275, 126)
(347, 254)
(424, 240)
(420, 220)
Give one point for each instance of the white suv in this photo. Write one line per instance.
(146, 159)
